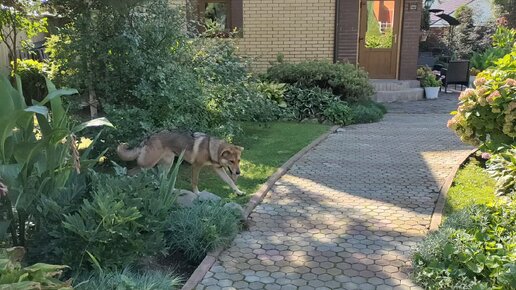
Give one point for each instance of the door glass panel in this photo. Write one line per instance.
(380, 21)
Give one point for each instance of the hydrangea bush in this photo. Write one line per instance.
(486, 115)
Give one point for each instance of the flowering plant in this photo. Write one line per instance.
(486, 116)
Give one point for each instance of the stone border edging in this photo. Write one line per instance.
(257, 197)
(437, 215)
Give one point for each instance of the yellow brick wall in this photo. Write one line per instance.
(299, 29)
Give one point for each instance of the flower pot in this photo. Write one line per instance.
(472, 81)
(431, 92)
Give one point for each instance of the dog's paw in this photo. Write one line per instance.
(239, 192)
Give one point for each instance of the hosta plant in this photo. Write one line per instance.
(38, 276)
(502, 167)
(486, 116)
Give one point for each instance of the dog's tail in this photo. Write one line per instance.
(127, 154)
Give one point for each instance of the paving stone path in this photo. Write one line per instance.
(348, 213)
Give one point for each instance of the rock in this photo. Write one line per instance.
(186, 198)
(238, 209)
(205, 196)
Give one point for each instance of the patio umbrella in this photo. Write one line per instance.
(448, 18)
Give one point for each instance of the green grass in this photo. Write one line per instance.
(472, 185)
(267, 147)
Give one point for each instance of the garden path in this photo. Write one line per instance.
(349, 212)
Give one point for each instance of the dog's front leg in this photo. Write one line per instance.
(195, 178)
(224, 176)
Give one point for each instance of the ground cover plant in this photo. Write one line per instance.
(202, 228)
(473, 249)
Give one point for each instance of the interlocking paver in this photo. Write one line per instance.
(349, 212)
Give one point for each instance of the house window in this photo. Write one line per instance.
(216, 16)
(219, 17)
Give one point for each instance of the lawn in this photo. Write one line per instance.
(472, 185)
(267, 147)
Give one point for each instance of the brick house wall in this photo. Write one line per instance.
(410, 39)
(299, 29)
(347, 30)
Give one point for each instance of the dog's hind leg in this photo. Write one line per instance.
(224, 176)
(195, 178)
(149, 157)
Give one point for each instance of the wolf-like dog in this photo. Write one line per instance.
(199, 150)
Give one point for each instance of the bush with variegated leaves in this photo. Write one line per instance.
(486, 116)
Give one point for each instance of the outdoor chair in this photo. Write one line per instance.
(457, 73)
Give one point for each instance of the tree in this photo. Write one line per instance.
(19, 18)
(462, 39)
(508, 10)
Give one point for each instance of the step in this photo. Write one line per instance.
(411, 94)
(394, 85)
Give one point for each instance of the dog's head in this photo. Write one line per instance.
(230, 158)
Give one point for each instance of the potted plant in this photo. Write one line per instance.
(431, 84)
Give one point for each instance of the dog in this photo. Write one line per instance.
(199, 149)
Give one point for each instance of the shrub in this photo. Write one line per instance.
(473, 249)
(487, 115)
(33, 80)
(367, 112)
(122, 221)
(502, 167)
(37, 276)
(273, 91)
(129, 280)
(483, 60)
(204, 227)
(343, 79)
(309, 102)
(338, 113)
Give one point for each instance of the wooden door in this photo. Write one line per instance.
(379, 37)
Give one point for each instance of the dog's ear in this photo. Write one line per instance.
(240, 148)
(225, 152)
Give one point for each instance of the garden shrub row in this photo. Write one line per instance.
(473, 249)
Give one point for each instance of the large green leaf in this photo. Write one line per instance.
(6, 98)
(42, 110)
(92, 123)
(10, 172)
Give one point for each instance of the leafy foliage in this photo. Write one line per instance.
(487, 115)
(38, 153)
(482, 61)
(502, 167)
(462, 41)
(473, 249)
(368, 112)
(129, 212)
(202, 228)
(339, 113)
(38, 276)
(129, 280)
(18, 17)
(309, 102)
(33, 80)
(430, 80)
(343, 79)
